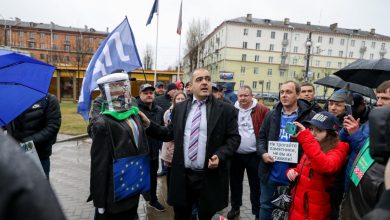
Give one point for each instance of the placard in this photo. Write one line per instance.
(283, 151)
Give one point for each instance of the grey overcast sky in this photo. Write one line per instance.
(100, 14)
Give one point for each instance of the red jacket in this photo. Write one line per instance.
(258, 115)
(311, 193)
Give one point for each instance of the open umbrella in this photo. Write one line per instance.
(370, 73)
(23, 81)
(338, 83)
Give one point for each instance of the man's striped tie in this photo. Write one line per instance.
(195, 128)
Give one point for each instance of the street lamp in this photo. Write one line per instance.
(308, 46)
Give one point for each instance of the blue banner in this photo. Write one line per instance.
(117, 51)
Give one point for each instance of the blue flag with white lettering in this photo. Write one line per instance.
(117, 51)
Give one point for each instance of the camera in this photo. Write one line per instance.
(379, 121)
(291, 128)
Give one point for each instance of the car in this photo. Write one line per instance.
(267, 97)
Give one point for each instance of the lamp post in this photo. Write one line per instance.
(308, 46)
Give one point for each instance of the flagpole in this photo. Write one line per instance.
(155, 62)
(178, 68)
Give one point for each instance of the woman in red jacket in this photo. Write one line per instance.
(314, 176)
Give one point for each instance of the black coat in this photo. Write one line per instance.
(40, 123)
(155, 114)
(223, 140)
(101, 182)
(25, 192)
(270, 129)
(164, 101)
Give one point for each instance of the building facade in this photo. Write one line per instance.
(264, 53)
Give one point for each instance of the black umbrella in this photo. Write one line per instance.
(370, 73)
(338, 83)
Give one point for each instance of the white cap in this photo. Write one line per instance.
(114, 77)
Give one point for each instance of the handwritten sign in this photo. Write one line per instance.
(283, 151)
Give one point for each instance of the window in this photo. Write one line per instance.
(243, 57)
(270, 59)
(67, 47)
(340, 53)
(21, 34)
(42, 56)
(66, 59)
(257, 58)
(361, 56)
(281, 73)
(285, 36)
(244, 45)
(318, 50)
(243, 69)
(339, 65)
(254, 84)
(55, 36)
(352, 43)
(342, 41)
(284, 51)
(241, 83)
(257, 46)
(350, 54)
(32, 35)
(258, 33)
(273, 35)
(371, 56)
(330, 52)
(256, 70)
(295, 61)
(43, 35)
(328, 64)
(383, 46)
(269, 72)
(296, 37)
(295, 49)
(373, 45)
(55, 58)
(283, 60)
(245, 31)
(55, 47)
(319, 40)
(268, 85)
(363, 43)
(67, 37)
(331, 40)
(43, 46)
(271, 47)
(21, 44)
(31, 44)
(317, 63)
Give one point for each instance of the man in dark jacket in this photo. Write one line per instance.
(251, 115)
(308, 93)
(273, 173)
(40, 124)
(200, 174)
(24, 191)
(165, 101)
(147, 105)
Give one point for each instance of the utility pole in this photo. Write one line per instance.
(308, 46)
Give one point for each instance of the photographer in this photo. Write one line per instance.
(379, 119)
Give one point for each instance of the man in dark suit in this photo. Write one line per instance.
(206, 135)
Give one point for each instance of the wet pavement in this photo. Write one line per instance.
(69, 177)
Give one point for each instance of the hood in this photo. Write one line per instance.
(254, 103)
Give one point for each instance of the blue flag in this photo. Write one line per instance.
(154, 10)
(117, 51)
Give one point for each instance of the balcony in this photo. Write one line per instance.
(363, 49)
(382, 52)
(285, 42)
(283, 66)
(284, 55)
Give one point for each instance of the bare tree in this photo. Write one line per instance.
(196, 30)
(148, 57)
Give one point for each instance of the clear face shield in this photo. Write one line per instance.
(117, 95)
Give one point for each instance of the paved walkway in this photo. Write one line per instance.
(69, 177)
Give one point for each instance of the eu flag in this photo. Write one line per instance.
(131, 176)
(154, 10)
(117, 51)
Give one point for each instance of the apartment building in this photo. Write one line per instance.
(264, 53)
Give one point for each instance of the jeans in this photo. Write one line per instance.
(267, 194)
(46, 166)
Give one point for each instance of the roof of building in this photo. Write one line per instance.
(52, 26)
(331, 29)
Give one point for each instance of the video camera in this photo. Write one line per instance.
(379, 121)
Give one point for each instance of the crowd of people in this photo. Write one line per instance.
(205, 137)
